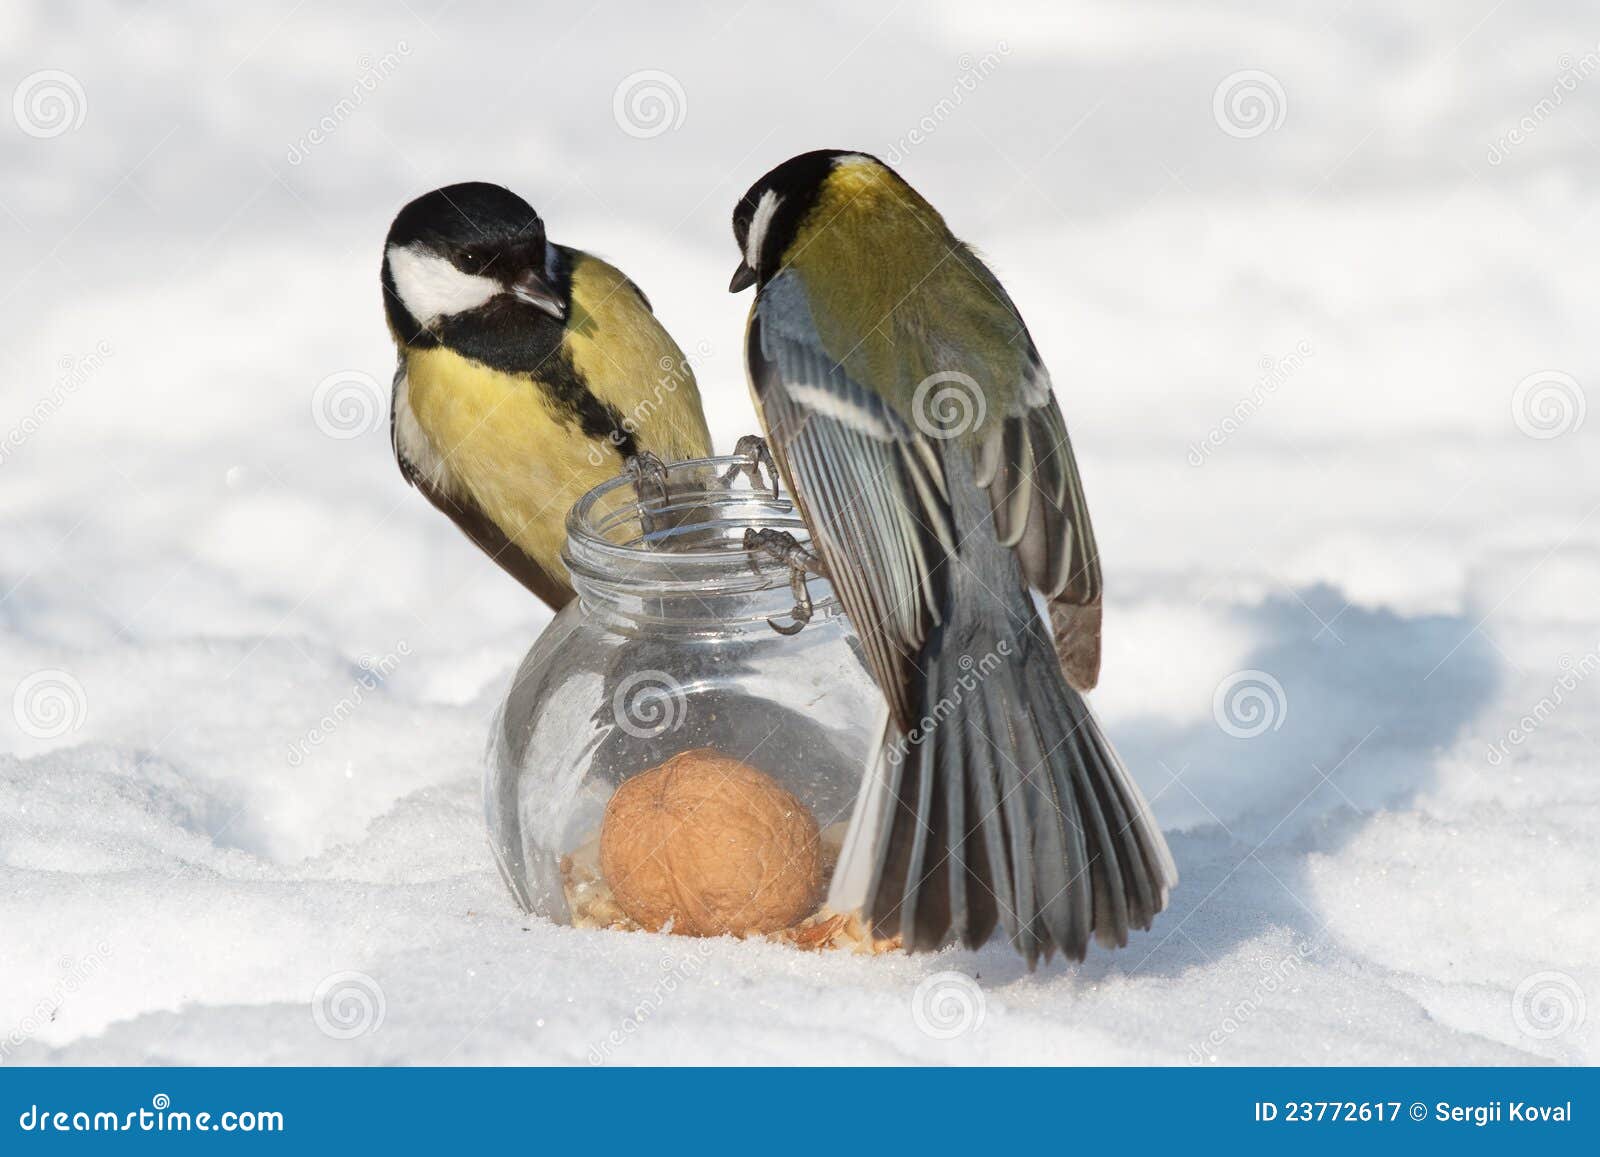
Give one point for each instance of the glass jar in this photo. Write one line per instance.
(668, 649)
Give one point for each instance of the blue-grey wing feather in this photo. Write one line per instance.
(869, 485)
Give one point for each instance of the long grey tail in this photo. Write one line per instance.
(1008, 806)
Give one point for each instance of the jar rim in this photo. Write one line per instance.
(611, 549)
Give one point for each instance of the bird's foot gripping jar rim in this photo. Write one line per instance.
(671, 547)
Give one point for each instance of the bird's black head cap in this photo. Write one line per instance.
(473, 213)
(769, 214)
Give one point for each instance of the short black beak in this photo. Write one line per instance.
(530, 286)
(743, 278)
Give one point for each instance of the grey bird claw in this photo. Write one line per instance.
(647, 468)
(753, 447)
(783, 547)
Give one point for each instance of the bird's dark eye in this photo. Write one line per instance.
(472, 260)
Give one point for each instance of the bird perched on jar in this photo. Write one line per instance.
(910, 413)
(529, 373)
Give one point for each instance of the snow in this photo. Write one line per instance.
(252, 673)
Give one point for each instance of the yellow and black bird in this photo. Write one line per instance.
(910, 414)
(529, 373)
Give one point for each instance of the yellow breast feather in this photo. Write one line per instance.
(505, 446)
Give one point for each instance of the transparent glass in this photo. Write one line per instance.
(666, 649)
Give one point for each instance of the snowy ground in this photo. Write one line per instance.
(1397, 539)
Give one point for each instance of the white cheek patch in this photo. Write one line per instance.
(760, 222)
(431, 288)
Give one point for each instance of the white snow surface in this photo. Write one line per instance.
(209, 819)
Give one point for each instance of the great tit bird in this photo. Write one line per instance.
(529, 373)
(911, 416)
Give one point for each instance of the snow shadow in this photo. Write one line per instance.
(1337, 713)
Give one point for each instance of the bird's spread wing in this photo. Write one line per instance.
(1013, 808)
(462, 510)
(1027, 465)
(852, 462)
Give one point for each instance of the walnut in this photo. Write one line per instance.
(711, 845)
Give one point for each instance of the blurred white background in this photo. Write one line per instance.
(1315, 284)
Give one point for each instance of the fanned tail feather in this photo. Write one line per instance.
(1011, 810)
